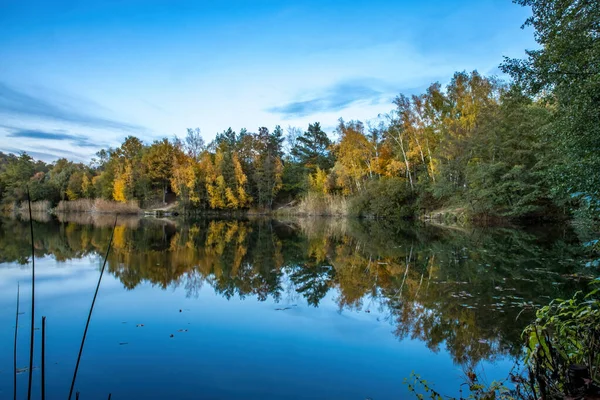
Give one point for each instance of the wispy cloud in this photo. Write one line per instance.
(50, 155)
(334, 98)
(17, 102)
(77, 140)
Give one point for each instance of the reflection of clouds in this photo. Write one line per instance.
(53, 278)
(347, 326)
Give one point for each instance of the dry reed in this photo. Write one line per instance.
(41, 206)
(98, 220)
(318, 205)
(99, 206)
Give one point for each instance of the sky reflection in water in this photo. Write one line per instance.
(301, 309)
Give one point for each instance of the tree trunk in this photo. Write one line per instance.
(430, 163)
(406, 163)
(421, 151)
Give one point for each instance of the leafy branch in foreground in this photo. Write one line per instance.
(562, 359)
(563, 343)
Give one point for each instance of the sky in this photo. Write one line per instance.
(78, 76)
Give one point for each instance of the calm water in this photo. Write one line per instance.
(258, 309)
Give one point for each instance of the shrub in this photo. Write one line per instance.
(566, 333)
(384, 198)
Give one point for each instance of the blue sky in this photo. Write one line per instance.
(76, 76)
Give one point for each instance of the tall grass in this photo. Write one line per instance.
(99, 206)
(80, 205)
(318, 205)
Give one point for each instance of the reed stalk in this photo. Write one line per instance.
(15, 346)
(32, 299)
(87, 324)
(43, 358)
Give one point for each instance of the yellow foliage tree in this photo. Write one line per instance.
(223, 194)
(71, 195)
(123, 184)
(119, 187)
(243, 199)
(86, 186)
(183, 178)
(318, 181)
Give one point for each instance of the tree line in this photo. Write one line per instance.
(520, 149)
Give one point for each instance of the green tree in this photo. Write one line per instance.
(507, 170)
(60, 174)
(15, 176)
(268, 166)
(565, 71)
(312, 149)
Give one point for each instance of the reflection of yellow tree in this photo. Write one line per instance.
(119, 237)
(432, 289)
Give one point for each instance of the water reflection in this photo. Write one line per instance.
(457, 289)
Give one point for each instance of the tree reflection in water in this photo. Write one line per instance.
(462, 289)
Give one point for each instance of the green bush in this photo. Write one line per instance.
(384, 198)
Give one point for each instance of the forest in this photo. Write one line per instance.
(478, 146)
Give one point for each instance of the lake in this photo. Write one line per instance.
(267, 309)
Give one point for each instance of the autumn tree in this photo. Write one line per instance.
(357, 156)
(183, 179)
(225, 179)
(158, 161)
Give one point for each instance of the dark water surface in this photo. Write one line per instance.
(261, 309)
